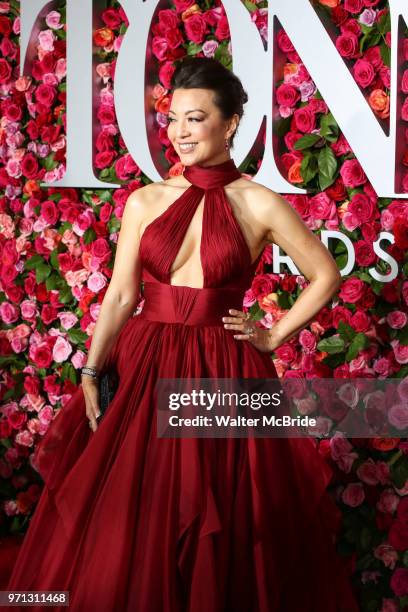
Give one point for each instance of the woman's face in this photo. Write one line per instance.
(196, 128)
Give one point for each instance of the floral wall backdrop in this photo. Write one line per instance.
(58, 247)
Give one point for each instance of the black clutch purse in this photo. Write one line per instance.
(108, 385)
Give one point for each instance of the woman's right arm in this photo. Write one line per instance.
(122, 294)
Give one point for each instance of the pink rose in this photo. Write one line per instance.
(307, 341)
(29, 310)
(9, 313)
(67, 319)
(383, 367)
(104, 159)
(96, 282)
(53, 20)
(352, 290)
(124, 166)
(352, 173)
(305, 119)
(367, 472)
(364, 72)
(100, 250)
(353, 495)
(386, 554)
(389, 605)
(106, 114)
(61, 350)
(111, 18)
(400, 352)
(321, 207)
(398, 416)
(397, 319)
(46, 39)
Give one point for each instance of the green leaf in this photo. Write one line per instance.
(77, 336)
(89, 235)
(256, 312)
(329, 128)
(306, 141)
(250, 6)
(346, 331)
(68, 372)
(341, 261)
(332, 345)
(385, 54)
(52, 282)
(49, 162)
(105, 195)
(308, 167)
(54, 259)
(327, 163)
(402, 336)
(193, 49)
(399, 471)
(114, 225)
(42, 272)
(359, 342)
(34, 262)
(65, 294)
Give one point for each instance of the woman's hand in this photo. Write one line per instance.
(90, 388)
(262, 339)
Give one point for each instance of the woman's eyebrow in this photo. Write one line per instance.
(189, 111)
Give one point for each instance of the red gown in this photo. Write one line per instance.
(131, 522)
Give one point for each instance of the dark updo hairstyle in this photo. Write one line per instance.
(208, 73)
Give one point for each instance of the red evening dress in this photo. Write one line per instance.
(130, 522)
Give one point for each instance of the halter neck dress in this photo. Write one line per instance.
(131, 522)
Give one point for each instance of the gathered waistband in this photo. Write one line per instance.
(188, 305)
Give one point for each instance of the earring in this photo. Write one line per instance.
(227, 144)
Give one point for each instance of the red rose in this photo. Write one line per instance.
(49, 212)
(399, 582)
(106, 114)
(48, 314)
(288, 283)
(5, 71)
(352, 290)
(41, 355)
(222, 31)
(367, 300)
(373, 55)
(353, 6)
(100, 250)
(361, 207)
(364, 72)
(105, 212)
(160, 47)
(174, 38)
(104, 159)
(340, 313)
(284, 42)
(29, 166)
(352, 173)
(398, 535)
(166, 73)
(390, 292)
(287, 95)
(347, 45)
(364, 253)
(305, 119)
(168, 20)
(360, 321)
(104, 141)
(8, 48)
(45, 94)
(263, 284)
(32, 129)
(401, 233)
(13, 112)
(196, 27)
(5, 26)
(337, 191)
(111, 18)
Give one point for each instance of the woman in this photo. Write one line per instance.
(132, 521)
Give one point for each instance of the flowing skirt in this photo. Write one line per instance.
(128, 521)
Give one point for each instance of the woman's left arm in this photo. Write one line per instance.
(284, 227)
